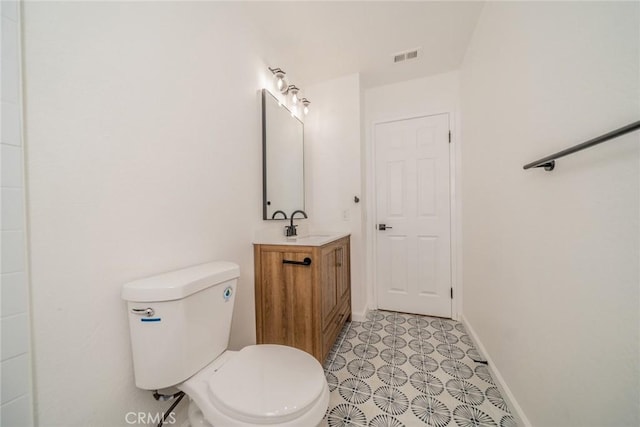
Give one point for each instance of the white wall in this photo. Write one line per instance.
(420, 97)
(16, 393)
(427, 95)
(551, 258)
(332, 170)
(144, 155)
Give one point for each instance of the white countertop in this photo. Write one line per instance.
(318, 239)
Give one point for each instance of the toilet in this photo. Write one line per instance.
(179, 325)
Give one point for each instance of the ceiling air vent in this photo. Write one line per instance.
(406, 55)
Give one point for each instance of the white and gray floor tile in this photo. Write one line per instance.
(399, 369)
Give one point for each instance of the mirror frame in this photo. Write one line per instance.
(265, 217)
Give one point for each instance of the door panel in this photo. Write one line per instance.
(275, 307)
(427, 268)
(329, 287)
(300, 292)
(342, 261)
(412, 198)
(397, 259)
(396, 197)
(426, 187)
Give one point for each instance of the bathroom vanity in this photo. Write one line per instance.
(303, 292)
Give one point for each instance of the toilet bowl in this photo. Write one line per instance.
(190, 312)
(259, 385)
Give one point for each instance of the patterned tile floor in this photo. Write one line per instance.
(399, 369)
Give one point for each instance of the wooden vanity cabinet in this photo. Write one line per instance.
(302, 306)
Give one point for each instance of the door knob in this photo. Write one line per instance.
(383, 227)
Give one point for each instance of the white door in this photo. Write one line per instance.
(413, 259)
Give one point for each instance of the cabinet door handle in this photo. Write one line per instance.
(306, 261)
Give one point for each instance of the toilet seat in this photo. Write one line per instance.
(270, 382)
(261, 385)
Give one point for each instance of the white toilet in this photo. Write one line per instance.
(180, 324)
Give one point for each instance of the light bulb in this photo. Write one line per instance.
(293, 90)
(278, 75)
(305, 110)
(294, 111)
(281, 83)
(306, 103)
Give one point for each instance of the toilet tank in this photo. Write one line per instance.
(179, 321)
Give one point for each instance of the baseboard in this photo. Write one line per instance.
(519, 415)
(359, 317)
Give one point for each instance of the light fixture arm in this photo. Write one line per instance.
(292, 89)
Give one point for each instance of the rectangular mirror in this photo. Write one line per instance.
(282, 159)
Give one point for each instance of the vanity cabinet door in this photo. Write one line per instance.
(336, 281)
(286, 313)
(302, 306)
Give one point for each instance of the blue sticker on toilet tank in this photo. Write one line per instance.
(227, 293)
(150, 319)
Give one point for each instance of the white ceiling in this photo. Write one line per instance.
(330, 39)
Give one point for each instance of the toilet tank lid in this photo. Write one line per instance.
(181, 283)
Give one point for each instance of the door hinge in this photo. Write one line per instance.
(449, 137)
(451, 293)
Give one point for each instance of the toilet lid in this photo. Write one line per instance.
(267, 384)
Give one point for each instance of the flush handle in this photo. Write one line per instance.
(143, 311)
(383, 227)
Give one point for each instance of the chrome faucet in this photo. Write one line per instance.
(290, 230)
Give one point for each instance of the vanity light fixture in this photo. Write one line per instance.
(278, 75)
(293, 90)
(289, 90)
